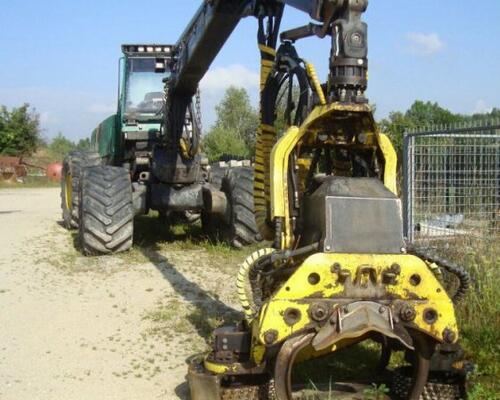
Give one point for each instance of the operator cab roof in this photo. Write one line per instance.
(148, 50)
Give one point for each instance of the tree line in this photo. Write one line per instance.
(231, 136)
(236, 124)
(20, 135)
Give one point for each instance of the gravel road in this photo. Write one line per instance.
(116, 327)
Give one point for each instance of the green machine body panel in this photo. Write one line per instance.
(107, 139)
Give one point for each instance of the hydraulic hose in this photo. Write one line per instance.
(457, 270)
(311, 72)
(243, 282)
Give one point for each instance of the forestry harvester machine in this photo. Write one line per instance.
(147, 157)
(339, 271)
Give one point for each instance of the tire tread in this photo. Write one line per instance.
(106, 212)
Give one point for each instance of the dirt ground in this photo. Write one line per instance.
(118, 327)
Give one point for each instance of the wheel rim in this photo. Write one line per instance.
(68, 190)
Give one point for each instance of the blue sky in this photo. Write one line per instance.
(61, 56)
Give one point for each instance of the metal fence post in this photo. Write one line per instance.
(406, 183)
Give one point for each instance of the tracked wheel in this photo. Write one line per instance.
(73, 165)
(106, 212)
(240, 228)
(437, 387)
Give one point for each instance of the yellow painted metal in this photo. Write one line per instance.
(299, 293)
(279, 181)
(390, 164)
(68, 190)
(280, 156)
(258, 350)
(267, 49)
(184, 148)
(215, 367)
(311, 71)
(323, 118)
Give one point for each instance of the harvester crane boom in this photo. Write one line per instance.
(213, 24)
(210, 28)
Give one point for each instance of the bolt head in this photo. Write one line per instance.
(449, 336)
(408, 313)
(318, 312)
(336, 267)
(270, 337)
(396, 268)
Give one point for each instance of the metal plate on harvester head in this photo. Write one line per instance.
(354, 215)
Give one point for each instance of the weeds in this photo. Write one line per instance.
(376, 392)
(478, 314)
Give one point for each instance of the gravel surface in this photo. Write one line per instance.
(118, 327)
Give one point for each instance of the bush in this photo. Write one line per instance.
(220, 142)
(60, 146)
(235, 128)
(19, 131)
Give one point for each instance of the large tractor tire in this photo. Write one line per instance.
(210, 222)
(106, 211)
(73, 165)
(240, 228)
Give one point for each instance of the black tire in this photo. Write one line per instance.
(209, 222)
(240, 229)
(106, 211)
(73, 165)
(216, 175)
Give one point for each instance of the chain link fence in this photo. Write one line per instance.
(452, 186)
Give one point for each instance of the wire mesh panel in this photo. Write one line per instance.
(452, 186)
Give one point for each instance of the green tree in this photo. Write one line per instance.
(420, 114)
(235, 114)
(493, 114)
(395, 126)
(233, 133)
(83, 144)
(19, 131)
(219, 142)
(60, 146)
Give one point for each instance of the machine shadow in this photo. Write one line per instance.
(206, 306)
(151, 231)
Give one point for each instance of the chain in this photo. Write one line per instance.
(198, 109)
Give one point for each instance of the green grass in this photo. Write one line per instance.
(154, 238)
(479, 316)
(358, 361)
